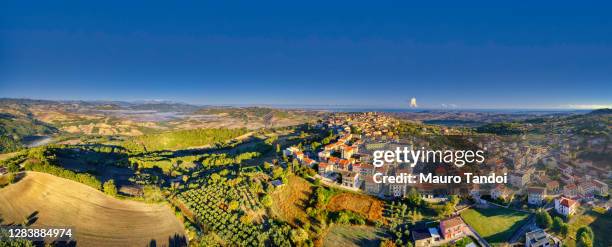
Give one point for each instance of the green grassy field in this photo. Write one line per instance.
(341, 235)
(496, 225)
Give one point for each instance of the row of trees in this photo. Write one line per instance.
(83, 178)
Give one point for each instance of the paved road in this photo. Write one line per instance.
(529, 225)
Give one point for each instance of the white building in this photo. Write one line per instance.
(565, 206)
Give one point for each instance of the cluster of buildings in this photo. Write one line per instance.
(540, 169)
(536, 170)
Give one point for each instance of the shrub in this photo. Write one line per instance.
(543, 219)
(110, 188)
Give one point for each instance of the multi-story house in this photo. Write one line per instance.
(601, 188)
(350, 179)
(324, 155)
(367, 170)
(453, 228)
(500, 192)
(519, 179)
(325, 168)
(565, 206)
(343, 165)
(370, 186)
(552, 186)
(570, 190)
(536, 195)
(347, 151)
(356, 168)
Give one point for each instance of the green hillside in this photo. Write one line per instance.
(182, 139)
(13, 129)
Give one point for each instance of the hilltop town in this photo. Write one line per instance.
(312, 184)
(551, 172)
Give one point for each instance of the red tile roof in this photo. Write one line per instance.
(451, 222)
(567, 202)
(536, 190)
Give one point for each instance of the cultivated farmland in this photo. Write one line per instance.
(98, 220)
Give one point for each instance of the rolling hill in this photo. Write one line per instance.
(97, 219)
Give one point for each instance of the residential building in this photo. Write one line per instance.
(325, 168)
(356, 168)
(453, 228)
(500, 192)
(324, 155)
(370, 186)
(366, 170)
(538, 238)
(308, 162)
(519, 179)
(422, 237)
(552, 187)
(343, 165)
(536, 195)
(565, 206)
(570, 190)
(347, 152)
(601, 188)
(350, 179)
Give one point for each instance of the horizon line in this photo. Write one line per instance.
(569, 107)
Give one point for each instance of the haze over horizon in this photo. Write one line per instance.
(545, 55)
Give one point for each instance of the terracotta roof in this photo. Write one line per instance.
(351, 174)
(536, 190)
(451, 222)
(552, 184)
(567, 202)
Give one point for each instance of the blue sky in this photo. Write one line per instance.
(363, 53)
